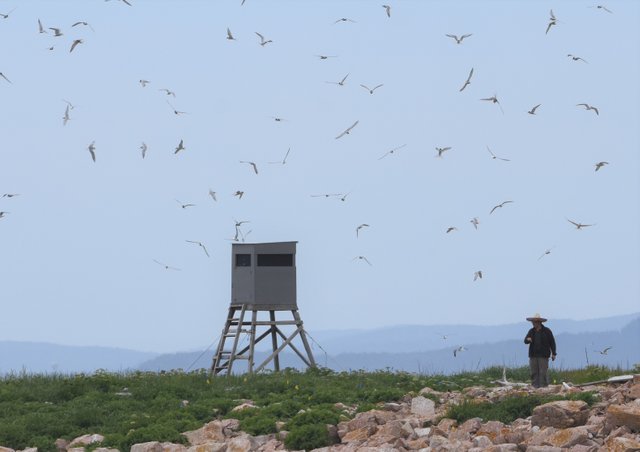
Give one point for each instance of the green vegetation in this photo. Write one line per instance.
(130, 408)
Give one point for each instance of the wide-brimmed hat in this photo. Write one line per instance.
(536, 318)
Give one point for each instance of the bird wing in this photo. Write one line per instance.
(378, 86)
(465, 36)
(573, 222)
(596, 110)
(583, 105)
(365, 87)
(354, 124)
(553, 17)
(255, 168)
(345, 77)
(229, 35)
(453, 36)
(494, 208)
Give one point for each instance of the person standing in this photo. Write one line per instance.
(542, 345)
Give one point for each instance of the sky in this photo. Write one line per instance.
(78, 243)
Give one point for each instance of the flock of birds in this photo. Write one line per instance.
(56, 33)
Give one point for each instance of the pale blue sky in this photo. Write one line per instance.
(78, 244)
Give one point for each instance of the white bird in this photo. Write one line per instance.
(577, 58)
(533, 110)
(361, 258)
(600, 165)
(56, 31)
(66, 117)
(284, 160)
(3, 213)
(459, 40)
(494, 99)
(204, 248)
(6, 16)
(143, 149)
(81, 22)
(579, 225)
(552, 21)
(324, 57)
(75, 44)
(92, 150)
(168, 92)
(9, 195)
(451, 229)
(363, 225)
(458, 350)
(230, 35)
(494, 157)
(40, 27)
(589, 107)
(468, 81)
(442, 151)
(499, 205)
(392, 151)
(348, 131)
(166, 267)
(341, 82)
(344, 19)
(443, 336)
(547, 251)
(371, 90)
(475, 222)
(255, 167)
(263, 42)
(477, 275)
(327, 195)
(278, 119)
(180, 147)
(213, 195)
(143, 82)
(604, 351)
(183, 205)
(602, 7)
(176, 112)
(239, 194)
(387, 10)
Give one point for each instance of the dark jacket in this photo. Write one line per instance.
(542, 344)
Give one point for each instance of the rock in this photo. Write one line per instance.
(359, 435)
(475, 392)
(395, 407)
(75, 449)
(421, 432)
(632, 392)
(85, 440)
(243, 443)
(561, 414)
(151, 446)
(423, 407)
(481, 441)
(541, 436)
(6, 449)
(543, 449)
(466, 429)
(214, 431)
(61, 444)
(507, 447)
(569, 437)
(244, 406)
(622, 444)
(103, 449)
(628, 415)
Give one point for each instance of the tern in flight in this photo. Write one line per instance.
(176, 112)
(547, 251)
(183, 205)
(387, 10)
(263, 42)
(81, 22)
(324, 57)
(341, 82)
(392, 151)
(552, 21)
(66, 117)
(213, 195)
(604, 350)
(363, 258)
(494, 99)
(533, 110)
(230, 35)
(75, 43)
(167, 91)
(41, 27)
(600, 165)
(495, 157)
(577, 58)
(180, 147)
(459, 40)
(143, 82)
(468, 81)
(458, 350)
(442, 151)
(477, 275)
(56, 31)
(363, 225)
(348, 131)
(475, 222)
(499, 205)
(603, 8)
(166, 267)
(451, 229)
(200, 245)
(143, 149)
(255, 167)
(589, 107)
(579, 225)
(92, 150)
(371, 90)
(284, 160)
(344, 19)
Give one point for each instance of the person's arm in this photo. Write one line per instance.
(552, 343)
(529, 337)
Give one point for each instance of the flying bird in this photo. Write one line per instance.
(66, 117)
(284, 160)
(5, 77)
(6, 16)
(533, 110)
(577, 58)
(126, 2)
(458, 350)
(167, 91)
(495, 157)
(183, 205)
(604, 350)
(451, 229)
(263, 42)
(75, 43)
(579, 225)
(180, 147)
(363, 225)
(3, 213)
(442, 151)
(392, 151)
(602, 7)
(371, 90)
(499, 205)
(494, 99)
(547, 251)
(477, 275)
(327, 195)
(468, 81)
(459, 40)
(475, 222)
(200, 245)
(278, 119)
(86, 24)
(40, 27)
(143, 82)
(143, 149)
(176, 112)
(344, 19)
(56, 31)
(9, 195)
(552, 21)
(239, 194)
(92, 150)
(387, 10)
(213, 195)
(589, 107)
(348, 131)
(600, 165)
(341, 82)
(166, 267)
(255, 167)
(324, 57)
(361, 258)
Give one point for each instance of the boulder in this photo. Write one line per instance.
(214, 431)
(6, 449)
(507, 447)
(622, 444)
(423, 407)
(561, 414)
(151, 446)
(85, 440)
(629, 415)
(569, 437)
(359, 435)
(543, 449)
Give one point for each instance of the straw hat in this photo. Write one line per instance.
(536, 318)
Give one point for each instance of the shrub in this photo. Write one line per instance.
(259, 424)
(308, 437)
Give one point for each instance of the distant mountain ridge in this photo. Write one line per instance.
(411, 348)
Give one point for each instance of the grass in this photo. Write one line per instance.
(37, 409)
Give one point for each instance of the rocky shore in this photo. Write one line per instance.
(418, 423)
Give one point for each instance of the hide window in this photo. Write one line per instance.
(275, 260)
(243, 260)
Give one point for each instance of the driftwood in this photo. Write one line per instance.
(618, 379)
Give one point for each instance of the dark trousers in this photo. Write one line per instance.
(539, 367)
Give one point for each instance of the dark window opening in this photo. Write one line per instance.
(275, 260)
(243, 260)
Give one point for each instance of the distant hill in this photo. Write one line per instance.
(41, 357)
(575, 350)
